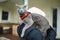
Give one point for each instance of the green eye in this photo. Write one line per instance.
(24, 6)
(19, 8)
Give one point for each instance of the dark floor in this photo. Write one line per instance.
(58, 39)
(9, 36)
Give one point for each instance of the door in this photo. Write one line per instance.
(58, 22)
(1, 30)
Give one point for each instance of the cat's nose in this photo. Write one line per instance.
(20, 10)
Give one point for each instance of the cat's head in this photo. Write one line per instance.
(21, 9)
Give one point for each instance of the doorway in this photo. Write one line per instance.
(58, 23)
(1, 29)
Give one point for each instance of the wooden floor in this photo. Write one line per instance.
(57, 39)
(11, 37)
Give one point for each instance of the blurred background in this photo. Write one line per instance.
(9, 19)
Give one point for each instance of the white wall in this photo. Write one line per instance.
(0, 14)
(11, 8)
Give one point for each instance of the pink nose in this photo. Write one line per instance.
(19, 11)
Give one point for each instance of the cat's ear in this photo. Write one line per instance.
(18, 6)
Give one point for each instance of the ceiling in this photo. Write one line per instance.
(3, 0)
(9, 0)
